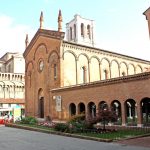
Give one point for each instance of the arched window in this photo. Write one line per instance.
(74, 31)
(82, 29)
(55, 71)
(88, 31)
(70, 33)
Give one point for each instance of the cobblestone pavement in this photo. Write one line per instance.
(144, 142)
(19, 139)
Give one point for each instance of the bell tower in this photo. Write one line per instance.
(80, 31)
(147, 14)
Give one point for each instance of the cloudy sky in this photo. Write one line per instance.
(120, 25)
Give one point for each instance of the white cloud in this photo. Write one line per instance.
(12, 36)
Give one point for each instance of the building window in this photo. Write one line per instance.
(84, 70)
(9, 105)
(0, 69)
(82, 29)
(55, 71)
(74, 31)
(70, 33)
(88, 31)
(1, 105)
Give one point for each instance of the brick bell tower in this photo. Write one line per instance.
(147, 14)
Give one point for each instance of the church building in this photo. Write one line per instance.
(69, 77)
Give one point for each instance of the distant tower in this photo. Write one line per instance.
(147, 14)
(80, 31)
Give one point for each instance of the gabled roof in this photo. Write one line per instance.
(45, 33)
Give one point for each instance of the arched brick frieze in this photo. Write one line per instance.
(53, 56)
(94, 69)
(70, 68)
(115, 69)
(29, 73)
(131, 69)
(53, 66)
(139, 69)
(123, 69)
(105, 68)
(41, 47)
(83, 70)
(27, 65)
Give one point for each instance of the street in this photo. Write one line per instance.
(19, 139)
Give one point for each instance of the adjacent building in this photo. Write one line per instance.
(12, 83)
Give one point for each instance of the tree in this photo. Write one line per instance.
(104, 115)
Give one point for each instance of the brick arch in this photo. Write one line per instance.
(85, 56)
(126, 67)
(94, 69)
(83, 68)
(105, 68)
(69, 51)
(102, 105)
(115, 72)
(81, 107)
(139, 66)
(70, 69)
(27, 65)
(91, 109)
(130, 109)
(72, 109)
(130, 64)
(41, 44)
(95, 58)
(53, 52)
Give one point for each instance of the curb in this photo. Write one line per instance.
(57, 133)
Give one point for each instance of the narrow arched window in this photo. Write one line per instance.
(88, 31)
(70, 33)
(55, 71)
(74, 31)
(82, 29)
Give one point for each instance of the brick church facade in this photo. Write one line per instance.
(65, 78)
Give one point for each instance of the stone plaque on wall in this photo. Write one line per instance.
(58, 103)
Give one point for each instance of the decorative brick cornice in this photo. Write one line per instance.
(136, 77)
(75, 46)
(45, 33)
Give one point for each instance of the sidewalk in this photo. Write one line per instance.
(143, 141)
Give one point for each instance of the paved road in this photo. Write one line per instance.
(18, 139)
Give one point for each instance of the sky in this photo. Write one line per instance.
(120, 25)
